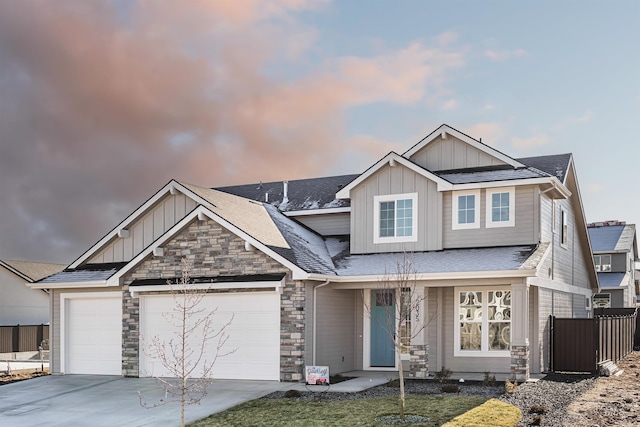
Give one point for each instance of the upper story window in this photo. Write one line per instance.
(603, 262)
(501, 207)
(465, 209)
(395, 218)
(564, 227)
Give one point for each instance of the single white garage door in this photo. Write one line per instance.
(93, 336)
(254, 334)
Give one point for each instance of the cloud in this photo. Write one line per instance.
(534, 141)
(502, 55)
(450, 104)
(103, 102)
(585, 117)
(490, 133)
(596, 187)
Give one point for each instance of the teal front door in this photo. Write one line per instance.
(382, 329)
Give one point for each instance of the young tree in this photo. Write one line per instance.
(403, 317)
(189, 356)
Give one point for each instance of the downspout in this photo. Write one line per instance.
(315, 305)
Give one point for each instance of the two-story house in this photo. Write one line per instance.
(498, 245)
(615, 252)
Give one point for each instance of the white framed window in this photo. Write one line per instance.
(603, 262)
(483, 326)
(395, 218)
(564, 227)
(501, 207)
(465, 209)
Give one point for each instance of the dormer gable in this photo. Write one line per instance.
(392, 160)
(447, 148)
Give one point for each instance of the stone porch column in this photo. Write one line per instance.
(520, 331)
(419, 351)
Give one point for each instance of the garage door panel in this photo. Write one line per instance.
(94, 336)
(254, 333)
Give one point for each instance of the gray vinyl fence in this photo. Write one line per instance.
(22, 337)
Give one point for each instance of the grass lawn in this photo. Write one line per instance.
(361, 412)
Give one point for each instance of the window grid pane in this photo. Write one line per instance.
(404, 213)
(500, 207)
(387, 216)
(466, 209)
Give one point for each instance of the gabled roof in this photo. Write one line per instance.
(392, 159)
(555, 165)
(31, 271)
(507, 259)
(302, 194)
(612, 280)
(612, 236)
(489, 174)
(445, 129)
(87, 273)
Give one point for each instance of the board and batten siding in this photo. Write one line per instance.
(524, 232)
(336, 224)
(336, 323)
(54, 331)
(160, 218)
(396, 180)
(452, 153)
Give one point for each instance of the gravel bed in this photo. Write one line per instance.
(550, 395)
(548, 398)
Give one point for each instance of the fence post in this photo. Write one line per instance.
(551, 351)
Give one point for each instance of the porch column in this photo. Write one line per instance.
(520, 331)
(418, 352)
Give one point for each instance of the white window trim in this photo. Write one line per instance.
(488, 213)
(454, 210)
(485, 323)
(414, 218)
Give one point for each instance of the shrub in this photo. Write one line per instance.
(450, 388)
(509, 386)
(537, 409)
(292, 394)
(537, 420)
(489, 380)
(443, 375)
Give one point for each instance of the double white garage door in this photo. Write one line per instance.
(94, 334)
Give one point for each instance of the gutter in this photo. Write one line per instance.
(315, 306)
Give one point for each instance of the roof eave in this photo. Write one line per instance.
(69, 285)
(466, 275)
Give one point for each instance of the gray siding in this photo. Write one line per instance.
(396, 180)
(336, 323)
(336, 224)
(525, 231)
(19, 304)
(160, 218)
(619, 263)
(451, 153)
(569, 264)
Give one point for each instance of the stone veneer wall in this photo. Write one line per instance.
(520, 362)
(215, 251)
(418, 361)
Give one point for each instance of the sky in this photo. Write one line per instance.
(104, 102)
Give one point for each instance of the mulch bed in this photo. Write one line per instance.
(20, 376)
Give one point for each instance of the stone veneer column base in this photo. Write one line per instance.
(520, 362)
(418, 361)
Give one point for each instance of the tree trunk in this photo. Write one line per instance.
(400, 371)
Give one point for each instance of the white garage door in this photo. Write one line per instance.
(93, 336)
(254, 334)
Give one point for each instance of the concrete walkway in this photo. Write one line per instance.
(96, 400)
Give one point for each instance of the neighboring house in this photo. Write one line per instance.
(19, 304)
(615, 252)
(499, 245)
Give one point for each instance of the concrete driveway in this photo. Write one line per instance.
(96, 400)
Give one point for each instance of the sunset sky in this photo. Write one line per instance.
(103, 102)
